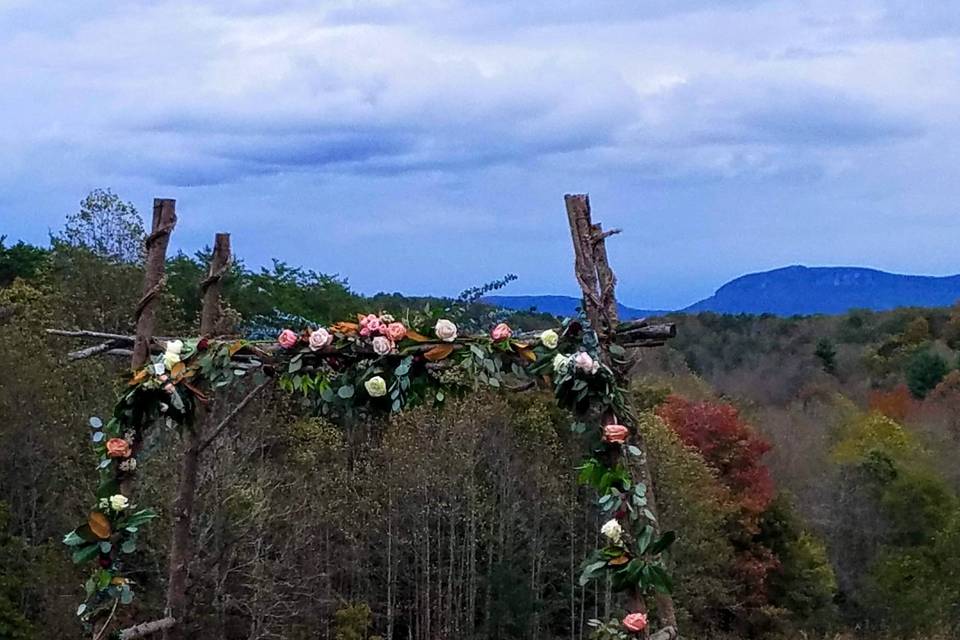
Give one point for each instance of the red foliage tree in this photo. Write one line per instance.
(729, 445)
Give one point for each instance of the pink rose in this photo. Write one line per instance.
(319, 339)
(287, 339)
(395, 331)
(635, 622)
(382, 345)
(615, 433)
(501, 332)
(370, 324)
(585, 363)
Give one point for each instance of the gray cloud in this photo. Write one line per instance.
(481, 114)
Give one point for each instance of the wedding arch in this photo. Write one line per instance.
(372, 364)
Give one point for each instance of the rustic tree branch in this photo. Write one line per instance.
(181, 549)
(237, 410)
(599, 292)
(164, 220)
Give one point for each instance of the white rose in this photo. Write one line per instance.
(560, 362)
(549, 339)
(119, 502)
(585, 363)
(446, 330)
(612, 530)
(319, 339)
(376, 387)
(172, 355)
(382, 345)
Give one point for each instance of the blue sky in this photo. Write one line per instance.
(425, 146)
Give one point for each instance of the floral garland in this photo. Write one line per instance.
(376, 365)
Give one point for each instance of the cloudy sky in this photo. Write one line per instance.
(425, 146)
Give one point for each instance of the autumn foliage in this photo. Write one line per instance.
(734, 450)
(897, 403)
(729, 445)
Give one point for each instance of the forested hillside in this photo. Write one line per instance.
(809, 464)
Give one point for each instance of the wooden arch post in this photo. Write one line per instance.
(598, 284)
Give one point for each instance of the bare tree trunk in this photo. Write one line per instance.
(598, 282)
(164, 220)
(181, 549)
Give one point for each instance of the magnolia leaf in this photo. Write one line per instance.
(85, 554)
(345, 328)
(139, 377)
(439, 352)
(235, 346)
(416, 337)
(619, 560)
(99, 525)
(528, 354)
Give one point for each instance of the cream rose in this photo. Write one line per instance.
(376, 387)
(549, 339)
(119, 502)
(560, 362)
(446, 330)
(612, 530)
(172, 354)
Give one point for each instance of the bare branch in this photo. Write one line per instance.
(147, 628)
(233, 414)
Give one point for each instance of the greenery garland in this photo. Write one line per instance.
(379, 364)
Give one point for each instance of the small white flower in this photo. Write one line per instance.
(172, 355)
(119, 502)
(319, 339)
(550, 339)
(175, 347)
(104, 503)
(446, 330)
(612, 530)
(386, 318)
(382, 345)
(129, 464)
(560, 362)
(376, 387)
(585, 363)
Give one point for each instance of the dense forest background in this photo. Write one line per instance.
(809, 464)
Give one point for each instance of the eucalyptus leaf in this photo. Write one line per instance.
(96, 423)
(346, 391)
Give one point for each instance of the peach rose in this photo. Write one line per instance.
(288, 339)
(395, 331)
(501, 332)
(615, 433)
(635, 622)
(118, 448)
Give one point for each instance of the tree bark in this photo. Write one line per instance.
(181, 547)
(164, 220)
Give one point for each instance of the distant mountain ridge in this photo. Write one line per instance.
(799, 290)
(793, 290)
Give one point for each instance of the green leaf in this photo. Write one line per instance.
(346, 391)
(634, 451)
(72, 539)
(660, 579)
(663, 543)
(138, 518)
(643, 540)
(295, 365)
(86, 554)
(126, 595)
(105, 547)
(128, 546)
